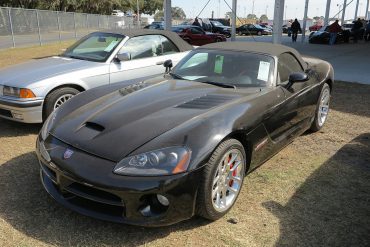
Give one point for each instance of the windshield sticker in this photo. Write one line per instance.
(263, 71)
(218, 64)
(111, 45)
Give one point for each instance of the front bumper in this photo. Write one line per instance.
(87, 185)
(21, 111)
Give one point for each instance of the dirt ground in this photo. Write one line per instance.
(315, 192)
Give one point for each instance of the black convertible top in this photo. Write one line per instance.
(174, 37)
(258, 47)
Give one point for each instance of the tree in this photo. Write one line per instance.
(176, 13)
(145, 6)
(252, 16)
(264, 18)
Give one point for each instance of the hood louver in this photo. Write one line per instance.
(132, 88)
(206, 102)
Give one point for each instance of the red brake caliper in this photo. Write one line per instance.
(234, 172)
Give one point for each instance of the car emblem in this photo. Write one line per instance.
(67, 154)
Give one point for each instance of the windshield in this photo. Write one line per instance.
(95, 47)
(217, 23)
(240, 69)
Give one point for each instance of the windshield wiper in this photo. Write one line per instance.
(219, 84)
(176, 76)
(76, 57)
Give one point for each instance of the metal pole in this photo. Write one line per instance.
(253, 8)
(87, 22)
(233, 20)
(138, 13)
(74, 24)
(304, 21)
(167, 15)
(11, 27)
(327, 12)
(343, 12)
(58, 21)
(356, 11)
(278, 21)
(38, 26)
(367, 10)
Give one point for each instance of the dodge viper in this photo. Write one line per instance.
(159, 151)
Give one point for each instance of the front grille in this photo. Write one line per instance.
(6, 113)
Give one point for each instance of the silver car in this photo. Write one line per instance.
(29, 92)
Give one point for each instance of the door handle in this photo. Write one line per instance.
(159, 63)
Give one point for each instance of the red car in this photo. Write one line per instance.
(315, 27)
(195, 35)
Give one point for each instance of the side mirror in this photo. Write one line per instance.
(297, 77)
(124, 56)
(168, 65)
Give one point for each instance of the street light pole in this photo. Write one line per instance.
(138, 13)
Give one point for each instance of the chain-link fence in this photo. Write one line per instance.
(21, 27)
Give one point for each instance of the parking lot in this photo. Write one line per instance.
(315, 192)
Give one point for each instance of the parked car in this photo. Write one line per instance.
(30, 92)
(159, 151)
(315, 27)
(323, 36)
(252, 29)
(195, 35)
(117, 12)
(266, 26)
(159, 25)
(218, 27)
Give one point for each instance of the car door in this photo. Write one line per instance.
(287, 123)
(198, 36)
(146, 59)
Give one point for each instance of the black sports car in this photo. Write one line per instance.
(323, 36)
(253, 29)
(160, 151)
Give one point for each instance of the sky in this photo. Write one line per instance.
(293, 8)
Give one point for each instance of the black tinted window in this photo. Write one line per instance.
(196, 30)
(168, 46)
(287, 64)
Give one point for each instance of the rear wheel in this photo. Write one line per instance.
(240, 33)
(259, 33)
(218, 40)
(322, 109)
(57, 98)
(222, 180)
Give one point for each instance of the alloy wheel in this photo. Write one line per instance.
(323, 107)
(62, 99)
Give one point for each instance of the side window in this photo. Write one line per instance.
(196, 31)
(287, 64)
(168, 46)
(143, 46)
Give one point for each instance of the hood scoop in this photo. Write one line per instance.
(90, 130)
(132, 88)
(206, 102)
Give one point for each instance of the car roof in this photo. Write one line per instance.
(258, 47)
(174, 37)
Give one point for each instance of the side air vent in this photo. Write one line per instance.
(132, 88)
(94, 126)
(206, 102)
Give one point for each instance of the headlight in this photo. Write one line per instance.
(47, 125)
(166, 161)
(23, 93)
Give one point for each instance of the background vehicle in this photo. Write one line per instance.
(266, 26)
(118, 12)
(159, 25)
(322, 36)
(218, 27)
(159, 151)
(252, 29)
(315, 27)
(30, 92)
(195, 35)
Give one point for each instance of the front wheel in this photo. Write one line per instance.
(259, 33)
(322, 109)
(56, 98)
(222, 180)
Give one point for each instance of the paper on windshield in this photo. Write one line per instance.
(263, 71)
(111, 45)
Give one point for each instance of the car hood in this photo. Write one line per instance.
(116, 124)
(22, 75)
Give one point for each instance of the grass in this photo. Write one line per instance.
(315, 192)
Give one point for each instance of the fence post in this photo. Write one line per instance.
(38, 25)
(11, 27)
(98, 22)
(87, 22)
(58, 21)
(74, 24)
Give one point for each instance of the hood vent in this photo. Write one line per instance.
(132, 88)
(90, 130)
(206, 102)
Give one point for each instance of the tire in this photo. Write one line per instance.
(207, 204)
(218, 40)
(240, 33)
(53, 99)
(321, 113)
(259, 33)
